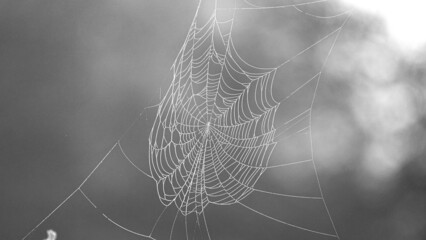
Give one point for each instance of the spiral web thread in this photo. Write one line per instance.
(214, 132)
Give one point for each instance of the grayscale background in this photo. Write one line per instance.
(75, 74)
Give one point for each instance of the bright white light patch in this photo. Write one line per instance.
(51, 235)
(404, 19)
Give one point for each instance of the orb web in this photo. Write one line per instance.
(215, 129)
(213, 133)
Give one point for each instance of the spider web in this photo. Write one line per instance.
(215, 129)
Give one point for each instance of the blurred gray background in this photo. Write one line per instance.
(75, 74)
